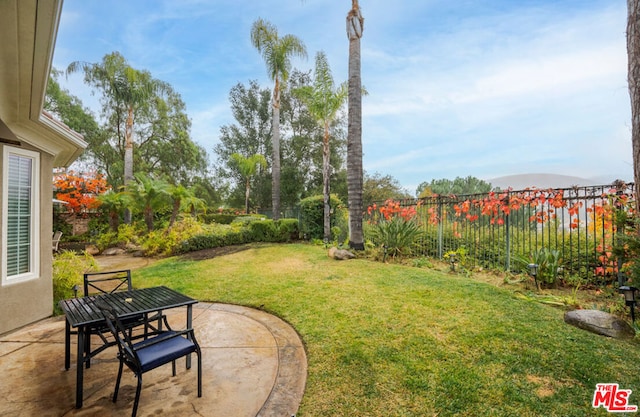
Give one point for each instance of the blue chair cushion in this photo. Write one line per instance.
(162, 352)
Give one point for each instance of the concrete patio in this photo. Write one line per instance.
(254, 364)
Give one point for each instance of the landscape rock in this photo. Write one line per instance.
(92, 249)
(340, 254)
(113, 251)
(599, 322)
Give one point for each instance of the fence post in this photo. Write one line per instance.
(507, 222)
(440, 233)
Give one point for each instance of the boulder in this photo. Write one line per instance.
(113, 251)
(599, 322)
(340, 254)
(91, 249)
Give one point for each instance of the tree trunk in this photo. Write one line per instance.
(148, 218)
(128, 158)
(355, 26)
(633, 51)
(326, 175)
(275, 164)
(246, 196)
(174, 214)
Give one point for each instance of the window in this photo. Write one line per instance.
(20, 213)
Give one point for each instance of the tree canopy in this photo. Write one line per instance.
(459, 186)
(145, 114)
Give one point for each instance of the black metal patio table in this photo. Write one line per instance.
(83, 314)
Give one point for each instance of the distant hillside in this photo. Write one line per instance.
(522, 181)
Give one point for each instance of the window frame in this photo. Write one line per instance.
(34, 226)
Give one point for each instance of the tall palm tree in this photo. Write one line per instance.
(248, 166)
(324, 101)
(123, 87)
(355, 26)
(633, 52)
(277, 53)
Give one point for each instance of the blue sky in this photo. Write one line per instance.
(484, 88)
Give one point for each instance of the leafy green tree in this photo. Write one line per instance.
(277, 53)
(459, 186)
(378, 188)
(248, 166)
(633, 78)
(355, 27)
(248, 136)
(70, 110)
(324, 100)
(146, 126)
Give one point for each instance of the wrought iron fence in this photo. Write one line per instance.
(501, 230)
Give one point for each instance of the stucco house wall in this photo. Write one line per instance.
(25, 302)
(28, 30)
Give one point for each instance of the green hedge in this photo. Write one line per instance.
(312, 216)
(258, 230)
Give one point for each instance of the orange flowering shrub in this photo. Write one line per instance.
(79, 191)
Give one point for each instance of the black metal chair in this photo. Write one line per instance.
(150, 353)
(98, 283)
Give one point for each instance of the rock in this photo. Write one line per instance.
(599, 322)
(92, 249)
(340, 254)
(113, 251)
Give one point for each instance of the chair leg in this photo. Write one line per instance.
(115, 393)
(137, 400)
(173, 367)
(199, 374)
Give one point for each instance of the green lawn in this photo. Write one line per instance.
(390, 340)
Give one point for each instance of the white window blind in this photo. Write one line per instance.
(21, 215)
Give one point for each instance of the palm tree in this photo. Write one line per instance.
(324, 101)
(277, 53)
(123, 87)
(182, 196)
(149, 194)
(248, 166)
(113, 203)
(355, 26)
(633, 51)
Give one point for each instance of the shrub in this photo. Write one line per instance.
(164, 242)
(283, 230)
(215, 236)
(397, 235)
(312, 215)
(127, 234)
(68, 268)
(220, 218)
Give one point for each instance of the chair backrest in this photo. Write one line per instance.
(107, 282)
(121, 335)
(56, 240)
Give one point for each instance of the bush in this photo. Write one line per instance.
(126, 235)
(397, 235)
(283, 230)
(165, 242)
(214, 237)
(220, 218)
(312, 215)
(68, 270)
(237, 233)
